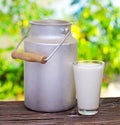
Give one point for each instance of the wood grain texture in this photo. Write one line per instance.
(15, 113)
(28, 56)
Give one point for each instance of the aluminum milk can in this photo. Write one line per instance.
(50, 51)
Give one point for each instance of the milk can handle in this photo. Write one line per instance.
(33, 57)
(28, 56)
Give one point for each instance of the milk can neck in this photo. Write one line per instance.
(50, 28)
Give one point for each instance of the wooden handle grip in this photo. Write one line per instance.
(28, 56)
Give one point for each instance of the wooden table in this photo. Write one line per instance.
(15, 113)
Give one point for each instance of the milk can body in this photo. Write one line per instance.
(50, 87)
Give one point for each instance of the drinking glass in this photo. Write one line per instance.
(88, 75)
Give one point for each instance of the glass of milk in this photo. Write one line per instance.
(88, 75)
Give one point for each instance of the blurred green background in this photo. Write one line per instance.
(96, 26)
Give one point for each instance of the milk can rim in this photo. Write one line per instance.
(50, 22)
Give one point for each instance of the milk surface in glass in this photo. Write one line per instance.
(88, 78)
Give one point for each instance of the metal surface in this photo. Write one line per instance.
(50, 87)
(54, 50)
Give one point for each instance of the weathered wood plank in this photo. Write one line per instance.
(15, 113)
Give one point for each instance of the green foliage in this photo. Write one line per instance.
(98, 34)
(16, 14)
(11, 77)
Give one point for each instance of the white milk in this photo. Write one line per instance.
(88, 79)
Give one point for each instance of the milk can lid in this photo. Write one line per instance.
(50, 22)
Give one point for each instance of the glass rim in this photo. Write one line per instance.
(89, 61)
